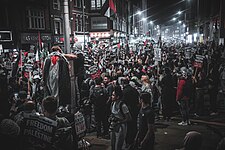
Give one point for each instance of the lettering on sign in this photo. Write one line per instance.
(157, 54)
(38, 129)
(80, 124)
(34, 38)
(5, 36)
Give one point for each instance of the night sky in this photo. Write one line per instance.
(162, 11)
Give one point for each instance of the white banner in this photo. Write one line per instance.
(157, 54)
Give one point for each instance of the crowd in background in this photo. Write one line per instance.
(123, 96)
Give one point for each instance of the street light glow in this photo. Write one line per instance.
(179, 12)
(174, 19)
(139, 12)
(143, 19)
(179, 22)
(151, 22)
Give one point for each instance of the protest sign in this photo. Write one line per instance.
(157, 54)
(28, 67)
(198, 61)
(80, 126)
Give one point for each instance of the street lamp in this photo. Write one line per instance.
(144, 19)
(139, 12)
(179, 12)
(151, 28)
(174, 19)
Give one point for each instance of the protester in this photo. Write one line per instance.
(146, 85)
(145, 137)
(47, 131)
(192, 141)
(167, 86)
(64, 137)
(56, 76)
(9, 135)
(120, 115)
(130, 98)
(99, 98)
(183, 98)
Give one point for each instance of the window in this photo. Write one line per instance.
(93, 7)
(35, 19)
(97, 4)
(56, 4)
(76, 23)
(57, 26)
(98, 23)
(79, 24)
(78, 3)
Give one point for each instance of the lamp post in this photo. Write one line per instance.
(84, 23)
(66, 27)
(151, 28)
(133, 23)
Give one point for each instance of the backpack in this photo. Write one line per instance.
(120, 106)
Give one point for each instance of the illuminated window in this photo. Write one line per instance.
(97, 4)
(56, 4)
(57, 26)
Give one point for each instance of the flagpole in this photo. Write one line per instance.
(38, 52)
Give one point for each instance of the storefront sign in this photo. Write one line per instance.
(28, 38)
(5, 36)
(60, 39)
(100, 34)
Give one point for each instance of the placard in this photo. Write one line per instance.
(28, 67)
(157, 54)
(80, 125)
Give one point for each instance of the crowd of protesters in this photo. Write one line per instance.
(127, 90)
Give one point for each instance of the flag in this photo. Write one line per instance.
(20, 64)
(112, 6)
(118, 45)
(146, 42)
(37, 59)
(107, 13)
(39, 41)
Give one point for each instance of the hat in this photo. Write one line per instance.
(9, 127)
(193, 140)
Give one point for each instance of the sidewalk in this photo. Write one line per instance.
(97, 143)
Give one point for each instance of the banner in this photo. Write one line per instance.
(198, 61)
(157, 54)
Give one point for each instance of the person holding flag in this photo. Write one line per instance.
(56, 77)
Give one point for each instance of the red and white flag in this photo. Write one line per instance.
(112, 6)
